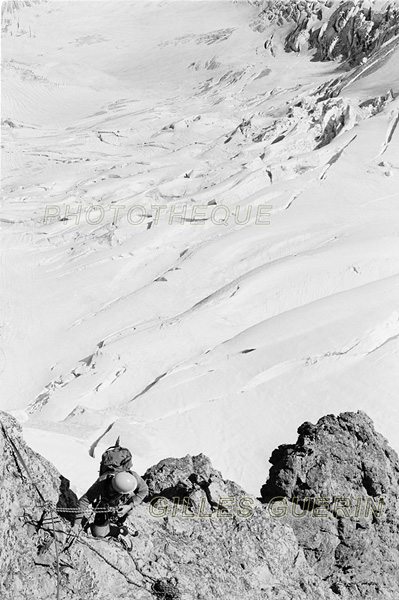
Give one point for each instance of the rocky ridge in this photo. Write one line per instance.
(184, 555)
(346, 471)
(311, 534)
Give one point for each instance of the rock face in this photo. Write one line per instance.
(201, 548)
(341, 480)
(203, 537)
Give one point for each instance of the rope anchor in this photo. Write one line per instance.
(166, 589)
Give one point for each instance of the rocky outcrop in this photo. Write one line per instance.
(340, 490)
(218, 543)
(333, 530)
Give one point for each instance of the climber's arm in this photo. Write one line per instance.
(140, 492)
(88, 498)
(136, 497)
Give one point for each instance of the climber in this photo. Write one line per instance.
(114, 495)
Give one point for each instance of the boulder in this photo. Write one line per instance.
(340, 488)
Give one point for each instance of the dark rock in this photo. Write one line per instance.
(347, 470)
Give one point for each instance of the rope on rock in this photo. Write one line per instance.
(85, 543)
(166, 589)
(18, 457)
(49, 507)
(162, 589)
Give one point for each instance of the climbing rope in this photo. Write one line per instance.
(18, 456)
(166, 589)
(85, 543)
(162, 589)
(61, 509)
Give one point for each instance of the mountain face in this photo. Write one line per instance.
(202, 537)
(341, 468)
(197, 552)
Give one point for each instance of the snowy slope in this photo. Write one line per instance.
(211, 334)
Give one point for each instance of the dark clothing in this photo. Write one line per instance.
(102, 495)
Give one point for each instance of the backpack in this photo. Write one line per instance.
(116, 459)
